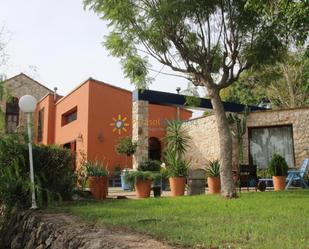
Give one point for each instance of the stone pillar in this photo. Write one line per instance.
(140, 131)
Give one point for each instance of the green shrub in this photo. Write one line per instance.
(96, 168)
(125, 146)
(14, 189)
(278, 166)
(213, 168)
(134, 176)
(176, 167)
(150, 165)
(263, 173)
(53, 169)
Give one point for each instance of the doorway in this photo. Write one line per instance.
(72, 147)
(154, 149)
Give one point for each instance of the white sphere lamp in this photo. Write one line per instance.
(27, 103)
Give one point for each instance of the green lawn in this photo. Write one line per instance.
(255, 220)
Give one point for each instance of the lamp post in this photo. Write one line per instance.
(27, 104)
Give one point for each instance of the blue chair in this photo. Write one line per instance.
(300, 174)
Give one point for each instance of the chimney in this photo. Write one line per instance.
(55, 93)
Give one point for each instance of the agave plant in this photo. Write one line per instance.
(176, 167)
(96, 168)
(213, 168)
(177, 138)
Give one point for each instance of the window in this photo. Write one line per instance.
(12, 115)
(40, 125)
(264, 142)
(69, 116)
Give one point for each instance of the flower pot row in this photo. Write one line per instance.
(143, 187)
(99, 186)
(177, 185)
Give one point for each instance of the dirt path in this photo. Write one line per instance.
(41, 230)
(101, 237)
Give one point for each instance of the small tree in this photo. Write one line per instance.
(278, 166)
(126, 147)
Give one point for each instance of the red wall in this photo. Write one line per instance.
(78, 129)
(48, 104)
(107, 102)
(98, 104)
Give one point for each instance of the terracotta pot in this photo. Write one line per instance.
(98, 187)
(279, 183)
(177, 185)
(214, 185)
(143, 188)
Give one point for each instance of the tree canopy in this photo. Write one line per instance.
(210, 43)
(196, 38)
(282, 85)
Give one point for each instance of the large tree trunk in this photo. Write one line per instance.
(227, 185)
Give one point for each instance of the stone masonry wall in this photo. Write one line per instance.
(205, 137)
(204, 144)
(298, 118)
(21, 85)
(42, 230)
(140, 131)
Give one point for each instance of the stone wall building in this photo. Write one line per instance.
(268, 132)
(15, 88)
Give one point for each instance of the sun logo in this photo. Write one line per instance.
(119, 124)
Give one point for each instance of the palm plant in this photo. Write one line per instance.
(176, 166)
(213, 168)
(177, 138)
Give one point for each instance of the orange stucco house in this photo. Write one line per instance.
(88, 121)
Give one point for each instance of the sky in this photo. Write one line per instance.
(58, 43)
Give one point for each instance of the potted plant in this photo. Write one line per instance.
(97, 177)
(177, 138)
(279, 170)
(142, 181)
(177, 171)
(125, 147)
(153, 166)
(213, 177)
(177, 141)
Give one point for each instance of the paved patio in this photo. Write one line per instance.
(118, 193)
